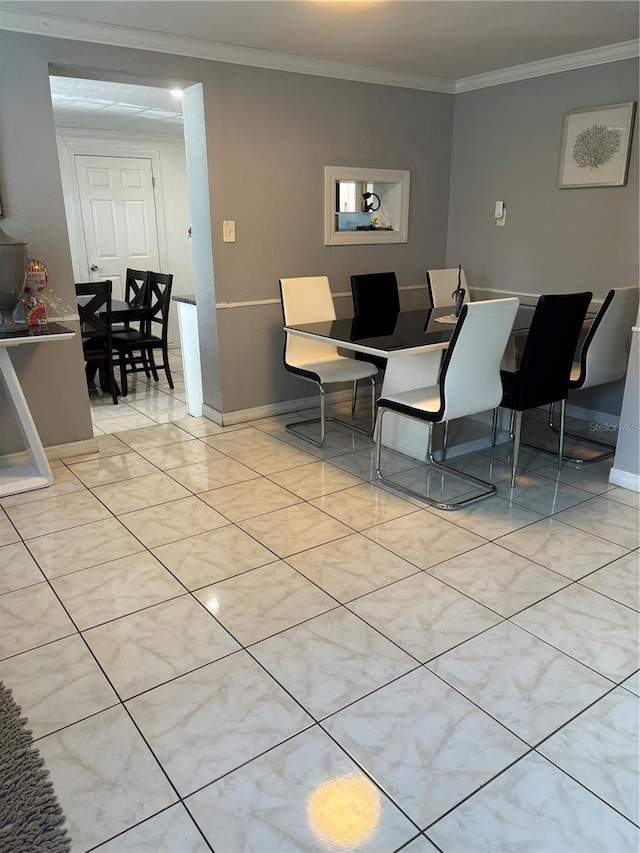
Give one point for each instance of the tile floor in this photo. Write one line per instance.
(227, 640)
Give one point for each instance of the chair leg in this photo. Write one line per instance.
(517, 431)
(563, 410)
(511, 423)
(123, 374)
(152, 362)
(494, 426)
(445, 439)
(354, 399)
(474, 482)
(167, 371)
(608, 452)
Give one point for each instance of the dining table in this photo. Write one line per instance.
(121, 311)
(412, 342)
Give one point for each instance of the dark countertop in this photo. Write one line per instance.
(189, 299)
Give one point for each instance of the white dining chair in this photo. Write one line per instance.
(604, 355)
(442, 283)
(469, 383)
(308, 300)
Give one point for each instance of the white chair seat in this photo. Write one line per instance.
(421, 399)
(339, 369)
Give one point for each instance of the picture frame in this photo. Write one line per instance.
(596, 145)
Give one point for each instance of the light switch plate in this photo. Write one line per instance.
(229, 230)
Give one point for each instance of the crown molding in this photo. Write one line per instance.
(54, 27)
(555, 65)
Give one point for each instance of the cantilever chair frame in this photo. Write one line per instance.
(311, 376)
(487, 489)
(582, 379)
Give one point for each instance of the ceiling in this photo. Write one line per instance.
(433, 40)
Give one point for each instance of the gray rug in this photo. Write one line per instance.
(30, 817)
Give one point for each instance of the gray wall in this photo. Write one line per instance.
(268, 136)
(506, 145)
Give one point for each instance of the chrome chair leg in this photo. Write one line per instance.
(323, 419)
(354, 399)
(517, 431)
(608, 452)
(494, 426)
(467, 479)
(445, 438)
(563, 409)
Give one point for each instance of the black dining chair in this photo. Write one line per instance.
(94, 311)
(545, 369)
(136, 347)
(376, 303)
(136, 293)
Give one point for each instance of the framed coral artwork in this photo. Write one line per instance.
(596, 143)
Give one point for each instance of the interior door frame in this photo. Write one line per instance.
(72, 142)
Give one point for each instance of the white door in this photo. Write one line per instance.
(118, 216)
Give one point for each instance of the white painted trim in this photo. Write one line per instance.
(72, 448)
(72, 142)
(554, 65)
(625, 479)
(344, 294)
(54, 27)
(271, 409)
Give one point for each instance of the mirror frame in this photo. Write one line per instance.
(396, 205)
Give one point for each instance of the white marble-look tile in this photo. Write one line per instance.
(337, 441)
(246, 500)
(57, 684)
(81, 547)
(201, 427)
(609, 519)
(304, 795)
(137, 421)
(31, 617)
(524, 683)
(562, 548)
(420, 845)
(206, 723)
(213, 474)
(242, 441)
(140, 493)
(600, 749)
(182, 453)
(424, 539)
(624, 496)
(153, 436)
(588, 626)
(18, 569)
(542, 494)
(363, 506)
(534, 807)
(161, 404)
(428, 482)
(499, 579)
(147, 648)
(342, 648)
(528, 460)
(482, 466)
(424, 744)
(112, 469)
(104, 411)
(8, 533)
(592, 478)
(264, 601)
(292, 529)
(213, 556)
(104, 776)
(48, 516)
(362, 464)
(351, 567)
(64, 483)
(633, 683)
(171, 521)
(423, 616)
(268, 460)
(108, 445)
(113, 589)
(619, 580)
(315, 480)
(490, 518)
(171, 831)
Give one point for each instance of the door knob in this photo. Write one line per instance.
(93, 267)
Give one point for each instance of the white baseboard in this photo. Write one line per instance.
(271, 409)
(72, 448)
(626, 479)
(590, 415)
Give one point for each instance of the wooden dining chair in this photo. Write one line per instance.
(308, 300)
(136, 347)
(468, 383)
(94, 311)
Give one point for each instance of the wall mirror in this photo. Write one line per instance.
(365, 206)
